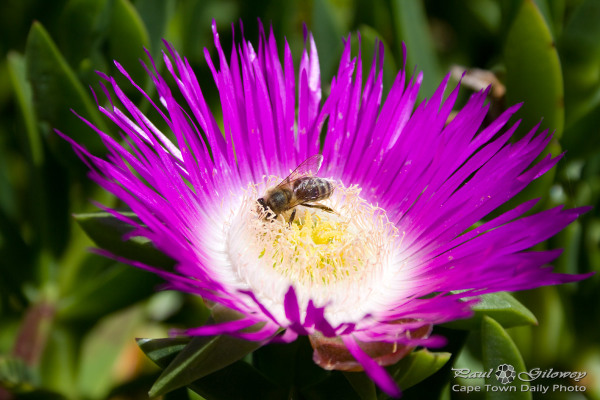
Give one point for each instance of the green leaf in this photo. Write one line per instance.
(551, 341)
(417, 366)
(509, 10)
(155, 14)
(231, 382)
(502, 307)
(580, 56)
(580, 139)
(107, 232)
(280, 362)
(557, 15)
(101, 351)
(412, 28)
(16, 375)
(163, 351)
(13, 249)
(237, 381)
(83, 23)
(59, 366)
(201, 357)
(327, 30)
(22, 92)
(119, 286)
(48, 212)
(498, 348)
(362, 384)
(335, 386)
(127, 38)
(56, 90)
(570, 239)
(544, 9)
(533, 72)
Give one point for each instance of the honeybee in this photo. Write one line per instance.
(300, 188)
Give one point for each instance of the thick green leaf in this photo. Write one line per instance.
(59, 362)
(83, 25)
(107, 232)
(13, 249)
(335, 386)
(533, 72)
(557, 15)
(127, 39)
(231, 382)
(163, 351)
(580, 56)
(412, 28)
(592, 245)
(362, 384)
(509, 11)
(56, 90)
(154, 14)
(45, 212)
(589, 361)
(16, 375)
(551, 341)
(502, 307)
(8, 201)
(544, 9)
(417, 366)
(22, 92)
(279, 362)
(570, 239)
(327, 31)
(101, 351)
(497, 349)
(201, 357)
(581, 138)
(237, 381)
(119, 286)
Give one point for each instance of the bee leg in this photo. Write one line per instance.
(319, 206)
(292, 217)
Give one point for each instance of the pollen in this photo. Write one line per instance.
(320, 244)
(319, 248)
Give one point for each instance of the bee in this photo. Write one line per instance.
(300, 188)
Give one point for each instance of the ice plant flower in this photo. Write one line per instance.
(404, 248)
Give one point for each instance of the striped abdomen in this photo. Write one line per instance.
(312, 189)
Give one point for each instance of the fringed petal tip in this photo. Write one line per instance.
(472, 172)
(178, 332)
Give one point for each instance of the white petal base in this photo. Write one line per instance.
(336, 259)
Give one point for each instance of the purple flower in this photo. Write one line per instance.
(403, 249)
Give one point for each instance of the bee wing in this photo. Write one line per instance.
(308, 167)
(309, 198)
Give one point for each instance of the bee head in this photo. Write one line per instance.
(262, 203)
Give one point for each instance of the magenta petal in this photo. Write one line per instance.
(432, 179)
(375, 371)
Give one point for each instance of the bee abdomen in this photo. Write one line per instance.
(313, 189)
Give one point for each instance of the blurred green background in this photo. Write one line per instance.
(68, 318)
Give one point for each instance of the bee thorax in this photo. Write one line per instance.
(277, 200)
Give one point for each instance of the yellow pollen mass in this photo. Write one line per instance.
(316, 245)
(319, 249)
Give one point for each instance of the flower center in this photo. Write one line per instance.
(317, 248)
(328, 256)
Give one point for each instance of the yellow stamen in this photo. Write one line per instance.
(320, 247)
